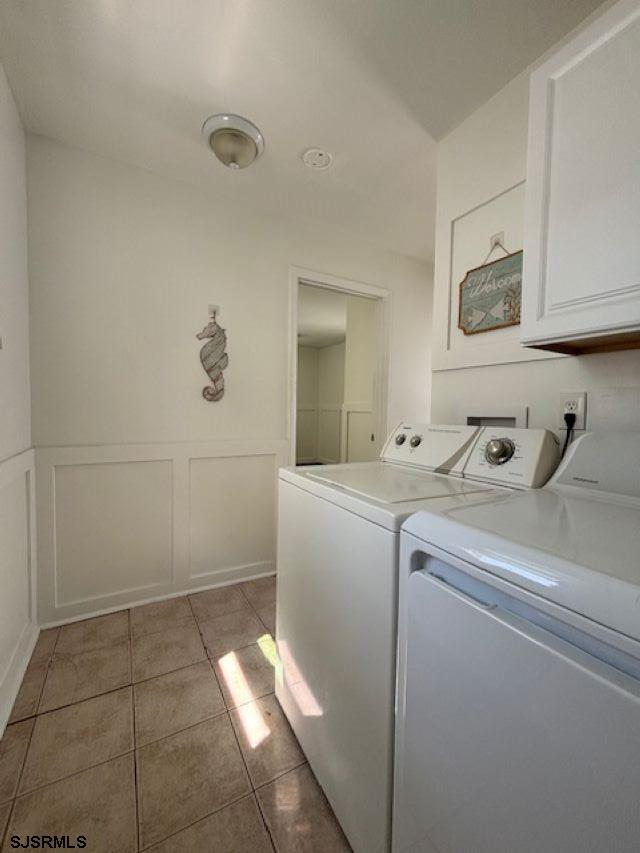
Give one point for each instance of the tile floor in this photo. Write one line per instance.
(157, 729)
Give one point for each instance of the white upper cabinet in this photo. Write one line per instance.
(581, 278)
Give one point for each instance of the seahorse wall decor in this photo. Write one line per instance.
(213, 356)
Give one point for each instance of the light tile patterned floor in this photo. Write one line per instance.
(158, 729)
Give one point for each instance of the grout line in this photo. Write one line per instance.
(184, 729)
(48, 670)
(248, 796)
(286, 773)
(135, 742)
(24, 762)
(5, 832)
(75, 773)
(180, 731)
(264, 819)
(86, 699)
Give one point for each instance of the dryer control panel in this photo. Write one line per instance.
(521, 458)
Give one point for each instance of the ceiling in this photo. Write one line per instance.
(375, 82)
(322, 316)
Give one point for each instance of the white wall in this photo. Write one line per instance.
(320, 395)
(330, 398)
(123, 265)
(483, 157)
(360, 363)
(17, 629)
(307, 405)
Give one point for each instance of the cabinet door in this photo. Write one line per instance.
(582, 221)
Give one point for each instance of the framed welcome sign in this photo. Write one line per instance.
(490, 296)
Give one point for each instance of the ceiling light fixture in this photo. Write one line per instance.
(234, 140)
(316, 158)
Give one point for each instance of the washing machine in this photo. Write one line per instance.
(338, 544)
(518, 724)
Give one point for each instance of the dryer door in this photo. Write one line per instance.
(509, 738)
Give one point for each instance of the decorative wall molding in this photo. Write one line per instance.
(349, 409)
(468, 234)
(125, 524)
(17, 499)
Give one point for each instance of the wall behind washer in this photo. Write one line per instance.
(148, 489)
(483, 157)
(18, 631)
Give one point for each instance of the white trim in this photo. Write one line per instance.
(21, 466)
(10, 684)
(299, 275)
(166, 597)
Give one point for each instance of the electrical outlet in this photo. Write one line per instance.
(573, 402)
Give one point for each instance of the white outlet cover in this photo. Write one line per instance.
(573, 401)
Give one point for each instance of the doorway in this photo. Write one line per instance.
(339, 374)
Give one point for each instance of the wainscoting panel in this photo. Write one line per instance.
(329, 435)
(18, 630)
(355, 433)
(114, 529)
(306, 434)
(232, 512)
(124, 524)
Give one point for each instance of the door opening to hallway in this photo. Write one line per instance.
(339, 376)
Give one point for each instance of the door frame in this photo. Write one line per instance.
(300, 275)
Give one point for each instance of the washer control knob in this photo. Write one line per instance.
(415, 440)
(400, 439)
(499, 450)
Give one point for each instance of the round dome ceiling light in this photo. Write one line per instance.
(234, 140)
(316, 158)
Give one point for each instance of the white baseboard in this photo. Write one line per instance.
(232, 576)
(14, 674)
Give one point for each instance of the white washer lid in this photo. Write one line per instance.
(389, 483)
(578, 551)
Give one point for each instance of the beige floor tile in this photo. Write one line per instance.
(98, 803)
(72, 678)
(5, 811)
(268, 616)
(268, 744)
(13, 748)
(26, 703)
(238, 828)
(261, 591)
(164, 651)
(217, 602)
(90, 634)
(170, 703)
(186, 776)
(299, 816)
(159, 615)
(244, 675)
(233, 631)
(45, 645)
(77, 737)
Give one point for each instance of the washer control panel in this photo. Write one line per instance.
(433, 447)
